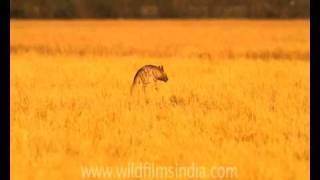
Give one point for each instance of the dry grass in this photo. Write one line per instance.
(238, 94)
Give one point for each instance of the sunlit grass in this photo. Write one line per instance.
(70, 108)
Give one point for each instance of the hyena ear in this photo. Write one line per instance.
(161, 67)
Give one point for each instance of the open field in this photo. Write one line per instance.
(237, 95)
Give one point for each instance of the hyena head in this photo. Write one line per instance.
(162, 76)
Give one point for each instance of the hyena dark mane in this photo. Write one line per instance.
(148, 74)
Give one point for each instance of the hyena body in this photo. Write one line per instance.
(147, 75)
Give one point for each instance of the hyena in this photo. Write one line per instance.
(148, 74)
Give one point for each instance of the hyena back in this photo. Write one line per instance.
(148, 74)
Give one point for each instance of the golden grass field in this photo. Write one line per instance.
(237, 95)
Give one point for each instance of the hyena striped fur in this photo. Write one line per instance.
(148, 74)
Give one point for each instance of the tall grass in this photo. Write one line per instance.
(238, 94)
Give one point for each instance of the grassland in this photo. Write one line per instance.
(238, 94)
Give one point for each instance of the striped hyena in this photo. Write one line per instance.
(148, 74)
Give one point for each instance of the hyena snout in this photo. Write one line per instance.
(164, 78)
